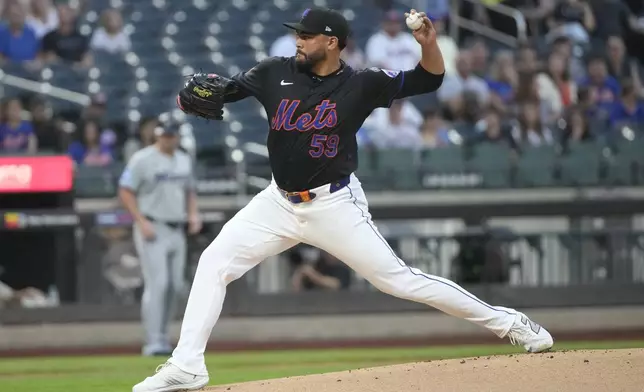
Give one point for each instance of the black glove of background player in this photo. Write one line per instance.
(204, 95)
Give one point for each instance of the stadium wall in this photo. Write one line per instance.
(401, 328)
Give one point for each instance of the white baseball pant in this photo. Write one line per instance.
(338, 223)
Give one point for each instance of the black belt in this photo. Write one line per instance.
(307, 196)
(174, 225)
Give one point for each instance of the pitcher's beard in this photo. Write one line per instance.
(306, 63)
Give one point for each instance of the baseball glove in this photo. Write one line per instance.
(204, 95)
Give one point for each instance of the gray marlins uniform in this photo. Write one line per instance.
(161, 183)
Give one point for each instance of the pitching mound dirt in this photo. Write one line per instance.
(571, 371)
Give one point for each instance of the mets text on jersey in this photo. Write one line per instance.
(325, 117)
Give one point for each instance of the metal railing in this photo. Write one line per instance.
(479, 28)
(504, 257)
(43, 88)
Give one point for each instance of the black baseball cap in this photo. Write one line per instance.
(323, 21)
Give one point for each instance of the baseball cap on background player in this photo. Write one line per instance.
(166, 128)
(323, 21)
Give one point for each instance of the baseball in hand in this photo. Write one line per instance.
(414, 21)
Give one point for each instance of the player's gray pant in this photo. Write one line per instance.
(163, 263)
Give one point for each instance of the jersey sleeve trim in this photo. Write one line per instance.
(402, 82)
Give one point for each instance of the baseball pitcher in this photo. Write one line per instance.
(158, 189)
(316, 103)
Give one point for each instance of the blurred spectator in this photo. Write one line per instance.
(353, 55)
(479, 55)
(66, 43)
(619, 65)
(575, 64)
(16, 134)
(527, 88)
(576, 128)
(363, 139)
(503, 79)
(527, 60)
(284, 46)
(28, 297)
(529, 129)
(438, 9)
(96, 109)
(328, 273)
(615, 19)
(449, 48)
(586, 103)
(469, 113)
(48, 134)
(18, 42)
(145, 137)
(493, 130)
(528, 91)
(110, 37)
(573, 19)
(395, 127)
(629, 110)
(433, 132)
(109, 140)
(43, 17)
(6, 4)
(392, 48)
(555, 85)
(604, 89)
(88, 150)
(453, 87)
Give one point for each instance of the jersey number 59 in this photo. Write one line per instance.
(324, 145)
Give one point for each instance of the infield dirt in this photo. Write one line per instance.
(561, 371)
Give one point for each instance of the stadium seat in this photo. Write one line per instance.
(445, 168)
(536, 166)
(366, 160)
(464, 129)
(393, 167)
(396, 160)
(493, 163)
(580, 165)
(443, 160)
(367, 169)
(626, 166)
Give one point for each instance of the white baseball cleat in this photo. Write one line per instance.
(532, 336)
(169, 378)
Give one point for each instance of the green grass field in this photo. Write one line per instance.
(119, 373)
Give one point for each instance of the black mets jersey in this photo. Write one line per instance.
(314, 119)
